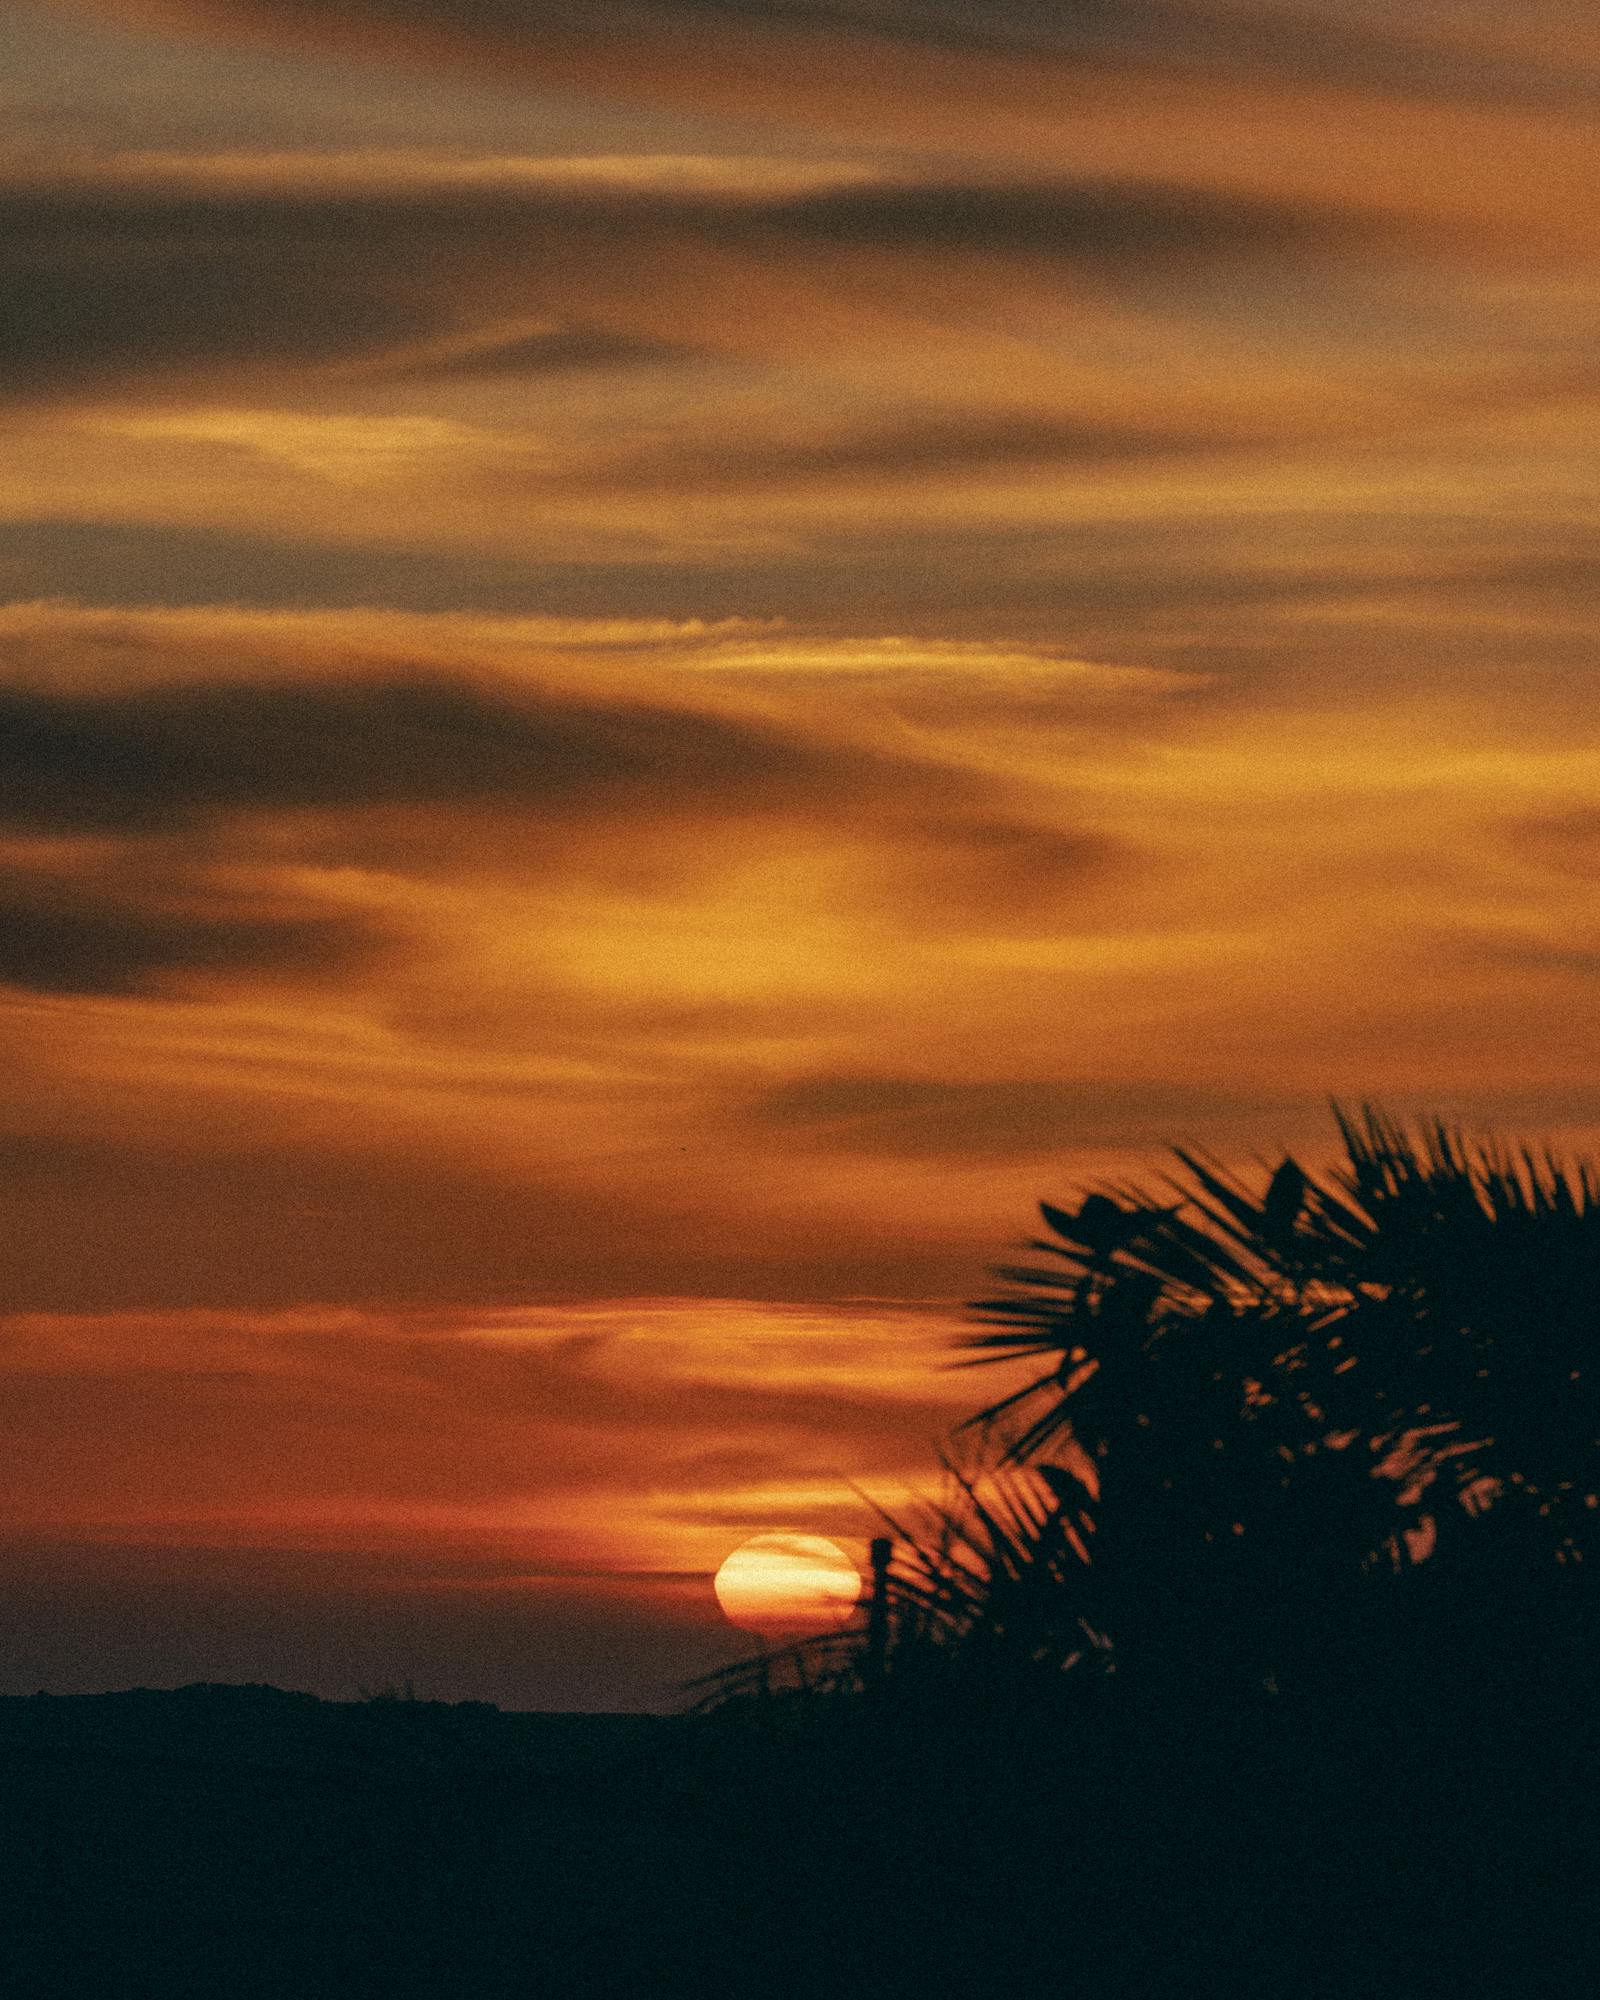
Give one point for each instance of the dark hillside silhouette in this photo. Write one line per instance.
(274, 1728)
(219, 1843)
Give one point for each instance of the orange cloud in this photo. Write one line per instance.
(337, 971)
(480, 1436)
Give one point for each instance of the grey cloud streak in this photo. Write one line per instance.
(562, 351)
(65, 938)
(930, 1118)
(1112, 584)
(99, 1225)
(1185, 592)
(107, 288)
(170, 756)
(599, 41)
(173, 782)
(928, 445)
(1108, 225)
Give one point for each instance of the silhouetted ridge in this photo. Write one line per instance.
(257, 1724)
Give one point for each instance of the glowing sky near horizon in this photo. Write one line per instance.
(658, 659)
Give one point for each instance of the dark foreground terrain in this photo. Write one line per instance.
(225, 1842)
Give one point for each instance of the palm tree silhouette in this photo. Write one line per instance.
(1284, 1401)
(1252, 1644)
(1326, 1434)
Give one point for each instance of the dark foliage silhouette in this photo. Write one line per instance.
(1289, 1404)
(1251, 1646)
(1305, 1433)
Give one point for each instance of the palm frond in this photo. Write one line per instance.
(1422, 1275)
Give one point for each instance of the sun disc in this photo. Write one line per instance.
(788, 1583)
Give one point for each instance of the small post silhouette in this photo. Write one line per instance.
(878, 1612)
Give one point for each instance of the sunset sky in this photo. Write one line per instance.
(660, 657)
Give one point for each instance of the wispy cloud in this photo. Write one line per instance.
(490, 1432)
(1464, 52)
(130, 272)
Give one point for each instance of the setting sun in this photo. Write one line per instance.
(788, 1583)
